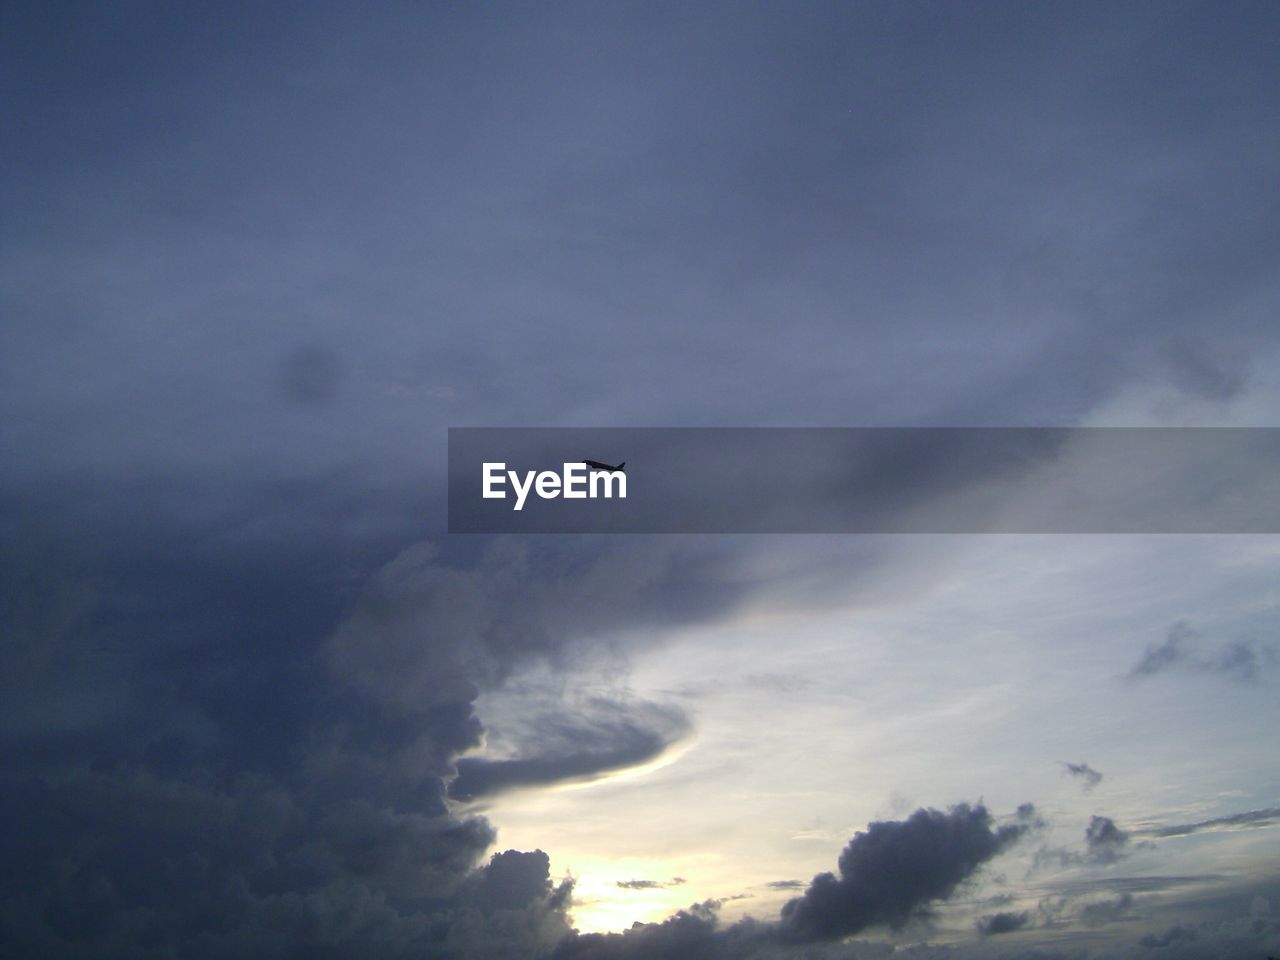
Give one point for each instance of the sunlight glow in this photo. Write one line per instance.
(602, 906)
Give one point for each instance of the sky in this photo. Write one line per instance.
(255, 700)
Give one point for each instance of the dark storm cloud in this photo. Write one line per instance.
(189, 779)
(998, 923)
(1250, 818)
(177, 706)
(291, 712)
(892, 872)
(516, 879)
(646, 191)
(129, 863)
(1183, 649)
(255, 261)
(606, 737)
(433, 624)
(1089, 777)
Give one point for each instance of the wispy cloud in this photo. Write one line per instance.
(1250, 818)
(650, 884)
(1184, 649)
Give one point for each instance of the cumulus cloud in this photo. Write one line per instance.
(891, 872)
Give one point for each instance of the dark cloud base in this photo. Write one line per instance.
(888, 874)
(605, 737)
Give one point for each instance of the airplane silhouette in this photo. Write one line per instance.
(597, 465)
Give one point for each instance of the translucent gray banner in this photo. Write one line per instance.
(864, 480)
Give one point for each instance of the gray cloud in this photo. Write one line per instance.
(998, 923)
(1089, 777)
(1183, 650)
(797, 181)
(892, 872)
(1104, 841)
(1172, 651)
(1104, 844)
(1243, 659)
(516, 879)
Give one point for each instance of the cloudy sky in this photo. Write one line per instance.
(256, 259)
